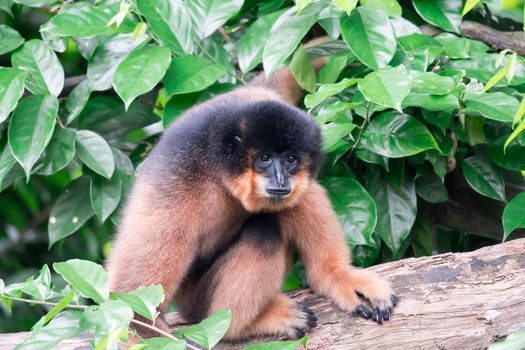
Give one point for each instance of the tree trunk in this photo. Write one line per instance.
(448, 301)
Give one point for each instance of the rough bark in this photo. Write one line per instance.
(449, 301)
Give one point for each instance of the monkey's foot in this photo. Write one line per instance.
(377, 313)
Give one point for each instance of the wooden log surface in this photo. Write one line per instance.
(448, 301)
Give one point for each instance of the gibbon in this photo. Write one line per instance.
(219, 205)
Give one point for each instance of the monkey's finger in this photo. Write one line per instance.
(394, 299)
(363, 312)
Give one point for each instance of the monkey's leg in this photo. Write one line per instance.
(313, 227)
(246, 279)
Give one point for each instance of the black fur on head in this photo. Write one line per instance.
(264, 126)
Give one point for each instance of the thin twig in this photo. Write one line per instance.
(361, 131)
(215, 61)
(224, 35)
(83, 307)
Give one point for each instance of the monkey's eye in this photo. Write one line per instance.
(291, 159)
(265, 158)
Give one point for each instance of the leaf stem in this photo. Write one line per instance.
(83, 307)
(362, 129)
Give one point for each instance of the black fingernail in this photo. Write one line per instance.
(363, 311)
(375, 314)
(298, 333)
(394, 299)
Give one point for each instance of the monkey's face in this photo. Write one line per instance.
(271, 180)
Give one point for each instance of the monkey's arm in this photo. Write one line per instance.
(313, 227)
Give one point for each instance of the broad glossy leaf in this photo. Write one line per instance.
(110, 316)
(303, 70)
(9, 39)
(355, 208)
(455, 47)
(208, 332)
(432, 83)
(286, 34)
(210, 15)
(43, 66)
(512, 158)
(162, 343)
(481, 66)
(89, 279)
(35, 3)
(81, 20)
(71, 210)
(420, 42)
(143, 300)
(332, 69)
(372, 158)
(11, 90)
(391, 7)
(105, 195)
(484, 177)
(6, 5)
(370, 36)
(513, 216)
(170, 22)
(327, 90)
(62, 327)
(330, 111)
(445, 14)
(123, 163)
(430, 188)
(469, 5)
(493, 105)
(251, 45)
(446, 103)
(387, 86)
(31, 129)
(77, 99)
(176, 106)
(106, 58)
(421, 236)
(396, 135)
(280, 345)
(140, 72)
(105, 115)
(191, 73)
(59, 152)
(94, 151)
(404, 27)
(441, 119)
(333, 133)
(396, 209)
(6, 163)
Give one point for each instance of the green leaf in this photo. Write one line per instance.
(445, 14)
(143, 300)
(391, 7)
(105, 115)
(494, 80)
(420, 42)
(11, 90)
(397, 135)
(333, 132)
(89, 279)
(515, 134)
(105, 195)
(191, 73)
(110, 316)
(303, 70)
(210, 15)
(513, 217)
(140, 72)
(62, 327)
(44, 68)
(94, 151)
(34, 3)
(455, 47)
(370, 36)
(372, 158)
(176, 106)
(396, 209)
(59, 152)
(6, 163)
(445, 103)
(280, 345)
(31, 129)
(71, 210)
(251, 45)
(355, 208)
(77, 99)
(515, 340)
(387, 86)
(493, 105)
(469, 5)
(210, 331)
(484, 177)
(481, 66)
(286, 34)
(81, 20)
(163, 344)
(421, 236)
(9, 39)
(432, 83)
(170, 22)
(6, 5)
(327, 90)
(431, 189)
(59, 307)
(512, 158)
(332, 69)
(330, 111)
(107, 57)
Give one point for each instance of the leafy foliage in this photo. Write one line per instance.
(411, 123)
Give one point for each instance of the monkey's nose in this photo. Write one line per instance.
(282, 191)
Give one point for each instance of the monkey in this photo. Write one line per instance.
(220, 204)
